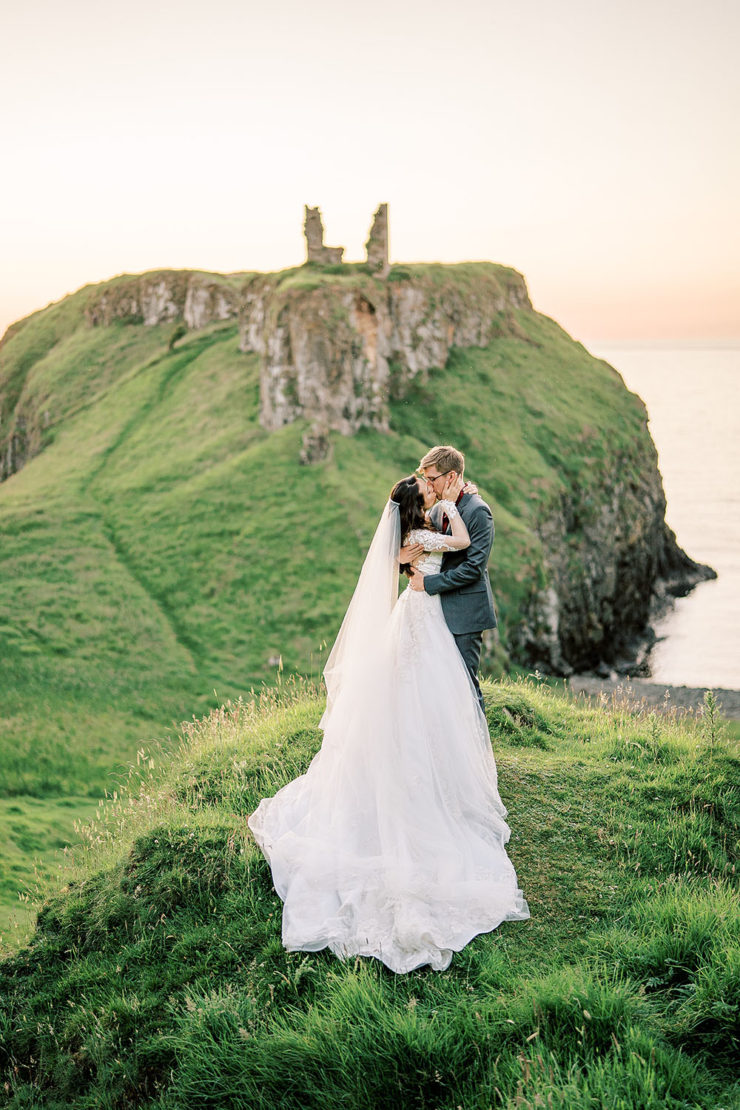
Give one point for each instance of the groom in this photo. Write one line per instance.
(467, 601)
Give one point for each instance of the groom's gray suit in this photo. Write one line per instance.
(467, 601)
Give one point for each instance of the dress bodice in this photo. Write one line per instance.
(434, 544)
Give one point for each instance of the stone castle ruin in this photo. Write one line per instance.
(313, 229)
(377, 244)
(376, 247)
(332, 352)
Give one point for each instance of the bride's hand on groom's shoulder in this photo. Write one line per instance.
(470, 487)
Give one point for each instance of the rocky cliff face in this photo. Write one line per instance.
(612, 565)
(333, 351)
(196, 299)
(337, 355)
(324, 355)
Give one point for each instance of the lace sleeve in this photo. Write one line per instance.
(432, 541)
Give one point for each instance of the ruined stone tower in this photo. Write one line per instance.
(377, 243)
(313, 229)
(376, 247)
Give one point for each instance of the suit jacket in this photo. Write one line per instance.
(467, 600)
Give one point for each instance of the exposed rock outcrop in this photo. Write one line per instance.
(338, 352)
(334, 349)
(157, 298)
(324, 357)
(610, 560)
(16, 448)
(316, 445)
(208, 301)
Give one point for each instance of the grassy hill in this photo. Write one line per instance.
(161, 551)
(157, 977)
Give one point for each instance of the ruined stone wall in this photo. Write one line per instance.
(313, 229)
(377, 243)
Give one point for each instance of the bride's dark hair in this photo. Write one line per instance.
(407, 496)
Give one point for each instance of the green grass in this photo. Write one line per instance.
(156, 976)
(162, 550)
(35, 833)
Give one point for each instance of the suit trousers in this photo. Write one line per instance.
(469, 645)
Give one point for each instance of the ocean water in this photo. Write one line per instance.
(692, 396)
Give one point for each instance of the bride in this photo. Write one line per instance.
(392, 843)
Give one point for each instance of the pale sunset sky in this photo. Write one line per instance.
(593, 146)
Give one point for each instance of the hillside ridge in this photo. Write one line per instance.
(336, 343)
(341, 350)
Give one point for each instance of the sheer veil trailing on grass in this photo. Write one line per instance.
(392, 843)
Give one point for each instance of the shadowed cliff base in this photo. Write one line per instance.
(656, 695)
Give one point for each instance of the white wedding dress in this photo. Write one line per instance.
(392, 843)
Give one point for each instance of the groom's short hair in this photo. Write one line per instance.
(445, 458)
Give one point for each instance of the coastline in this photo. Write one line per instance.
(656, 695)
(693, 638)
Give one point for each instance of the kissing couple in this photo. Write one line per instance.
(392, 844)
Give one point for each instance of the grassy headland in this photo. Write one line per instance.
(161, 551)
(157, 977)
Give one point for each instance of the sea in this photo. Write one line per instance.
(692, 395)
